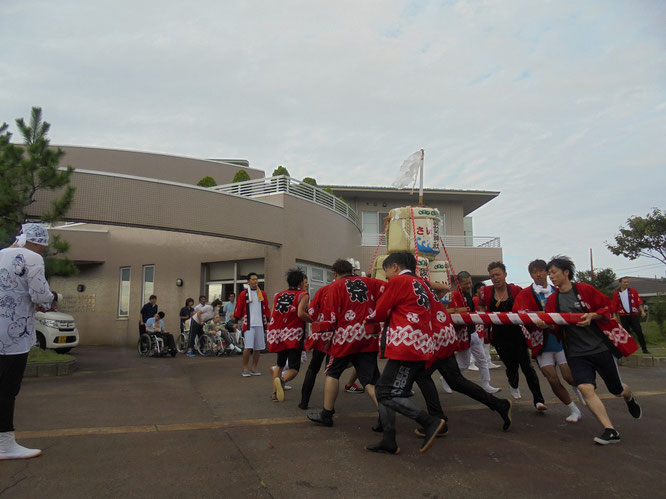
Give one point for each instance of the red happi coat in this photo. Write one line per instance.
(318, 340)
(486, 294)
(349, 301)
(635, 301)
(527, 302)
(618, 340)
(242, 309)
(458, 301)
(444, 338)
(285, 329)
(405, 305)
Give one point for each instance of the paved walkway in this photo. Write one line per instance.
(126, 426)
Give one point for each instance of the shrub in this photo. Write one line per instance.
(207, 181)
(241, 176)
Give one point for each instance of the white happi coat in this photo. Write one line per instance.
(22, 286)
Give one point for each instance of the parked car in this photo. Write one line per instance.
(56, 330)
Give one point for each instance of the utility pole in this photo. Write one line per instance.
(591, 266)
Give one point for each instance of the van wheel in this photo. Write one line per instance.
(63, 350)
(41, 341)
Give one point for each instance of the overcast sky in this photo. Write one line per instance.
(559, 105)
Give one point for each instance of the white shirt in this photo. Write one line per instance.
(207, 313)
(22, 286)
(255, 308)
(624, 296)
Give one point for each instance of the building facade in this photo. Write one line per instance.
(139, 225)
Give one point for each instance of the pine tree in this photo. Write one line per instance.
(24, 171)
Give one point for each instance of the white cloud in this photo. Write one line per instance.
(559, 105)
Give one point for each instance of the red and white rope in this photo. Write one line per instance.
(509, 318)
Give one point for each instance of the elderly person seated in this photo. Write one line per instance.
(155, 325)
(216, 327)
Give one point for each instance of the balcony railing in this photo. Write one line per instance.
(284, 184)
(449, 241)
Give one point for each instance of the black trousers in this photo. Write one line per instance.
(393, 390)
(449, 369)
(195, 330)
(512, 350)
(317, 360)
(12, 368)
(632, 323)
(142, 329)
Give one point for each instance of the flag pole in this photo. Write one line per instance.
(421, 184)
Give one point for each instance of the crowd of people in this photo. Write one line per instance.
(357, 319)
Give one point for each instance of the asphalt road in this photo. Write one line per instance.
(132, 427)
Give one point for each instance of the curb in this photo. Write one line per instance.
(642, 361)
(48, 369)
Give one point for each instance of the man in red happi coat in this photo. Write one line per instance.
(286, 330)
(350, 299)
(591, 344)
(407, 343)
(626, 304)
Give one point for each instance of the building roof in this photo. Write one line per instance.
(646, 286)
(471, 200)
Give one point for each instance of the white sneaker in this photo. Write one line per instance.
(490, 389)
(9, 449)
(286, 387)
(540, 406)
(493, 366)
(472, 367)
(445, 385)
(515, 393)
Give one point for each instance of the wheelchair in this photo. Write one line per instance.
(183, 339)
(150, 345)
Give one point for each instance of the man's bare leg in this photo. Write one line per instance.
(370, 389)
(255, 359)
(595, 404)
(331, 388)
(246, 358)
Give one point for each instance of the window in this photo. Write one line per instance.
(124, 292)
(148, 285)
(373, 227)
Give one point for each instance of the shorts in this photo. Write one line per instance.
(551, 358)
(292, 355)
(584, 369)
(254, 338)
(364, 362)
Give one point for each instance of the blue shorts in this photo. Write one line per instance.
(254, 338)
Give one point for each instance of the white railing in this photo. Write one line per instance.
(284, 184)
(449, 241)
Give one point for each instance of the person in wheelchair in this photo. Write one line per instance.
(155, 326)
(215, 327)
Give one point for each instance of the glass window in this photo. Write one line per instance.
(380, 221)
(148, 285)
(369, 222)
(124, 292)
(317, 274)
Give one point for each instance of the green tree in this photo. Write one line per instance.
(311, 181)
(241, 176)
(26, 170)
(207, 181)
(281, 170)
(642, 237)
(602, 279)
(658, 311)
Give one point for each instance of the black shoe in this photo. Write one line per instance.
(421, 432)
(647, 352)
(634, 408)
(303, 405)
(505, 412)
(385, 447)
(609, 436)
(431, 432)
(321, 418)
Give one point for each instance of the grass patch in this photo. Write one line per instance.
(36, 354)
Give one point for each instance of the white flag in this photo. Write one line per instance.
(409, 171)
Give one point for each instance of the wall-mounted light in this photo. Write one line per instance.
(179, 282)
(384, 204)
(81, 288)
